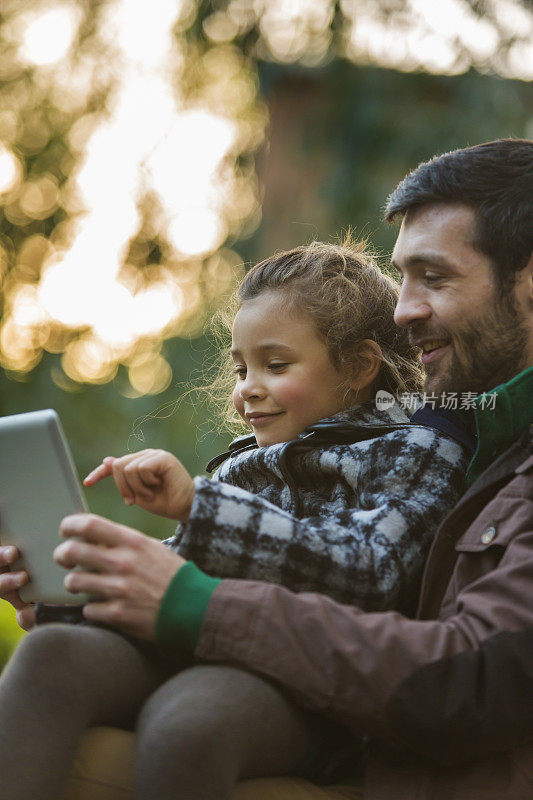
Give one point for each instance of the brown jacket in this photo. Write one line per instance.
(353, 666)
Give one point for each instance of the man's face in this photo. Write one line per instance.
(472, 338)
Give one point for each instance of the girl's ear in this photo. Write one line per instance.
(368, 359)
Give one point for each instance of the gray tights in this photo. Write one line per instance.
(200, 728)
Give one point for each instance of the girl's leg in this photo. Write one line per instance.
(61, 679)
(211, 725)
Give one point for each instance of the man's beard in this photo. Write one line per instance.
(486, 352)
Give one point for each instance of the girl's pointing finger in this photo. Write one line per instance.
(104, 470)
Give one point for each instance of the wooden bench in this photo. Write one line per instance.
(104, 770)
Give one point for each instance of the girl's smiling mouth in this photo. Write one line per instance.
(256, 418)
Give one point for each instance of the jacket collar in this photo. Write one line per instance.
(338, 427)
(362, 421)
(501, 415)
(449, 422)
(366, 414)
(518, 458)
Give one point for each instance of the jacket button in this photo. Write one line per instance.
(489, 535)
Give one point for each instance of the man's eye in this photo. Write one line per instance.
(277, 366)
(431, 279)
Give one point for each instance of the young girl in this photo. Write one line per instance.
(329, 494)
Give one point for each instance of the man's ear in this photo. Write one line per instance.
(368, 359)
(524, 286)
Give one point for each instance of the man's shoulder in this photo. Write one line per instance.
(511, 474)
(516, 460)
(521, 483)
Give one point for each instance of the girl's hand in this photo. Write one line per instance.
(153, 479)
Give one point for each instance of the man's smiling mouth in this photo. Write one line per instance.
(432, 349)
(433, 344)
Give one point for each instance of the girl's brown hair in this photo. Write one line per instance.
(348, 297)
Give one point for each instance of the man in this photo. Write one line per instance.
(417, 687)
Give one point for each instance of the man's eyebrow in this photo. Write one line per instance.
(265, 346)
(423, 258)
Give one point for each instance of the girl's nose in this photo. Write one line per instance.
(251, 387)
(411, 307)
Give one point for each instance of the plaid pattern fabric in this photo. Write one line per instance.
(367, 512)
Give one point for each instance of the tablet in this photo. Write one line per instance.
(38, 487)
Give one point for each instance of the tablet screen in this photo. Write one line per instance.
(38, 487)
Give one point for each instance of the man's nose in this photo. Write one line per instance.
(411, 307)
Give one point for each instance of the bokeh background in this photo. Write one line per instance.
(150, 152)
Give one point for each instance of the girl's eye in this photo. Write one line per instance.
(240, 372)
(278, 366)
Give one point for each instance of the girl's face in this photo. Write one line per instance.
(285, 377)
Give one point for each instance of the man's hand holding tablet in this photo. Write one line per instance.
(120, 574)
(129, 575)
(38, 487)
(11, 582)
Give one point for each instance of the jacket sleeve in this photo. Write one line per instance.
(369, 553)
(351, 666)
(468, 705)
(375, 671)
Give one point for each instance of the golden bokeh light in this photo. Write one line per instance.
(152, 376)
(39, 198)
(48, 34)
(163, 142)
(298, 31)
(445, 38)
(10, 170)
(127, 147)
(89, 360)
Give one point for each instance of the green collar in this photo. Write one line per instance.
(501, 415)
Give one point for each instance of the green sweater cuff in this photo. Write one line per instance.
(182, 610)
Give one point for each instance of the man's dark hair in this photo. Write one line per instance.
(496, 180)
